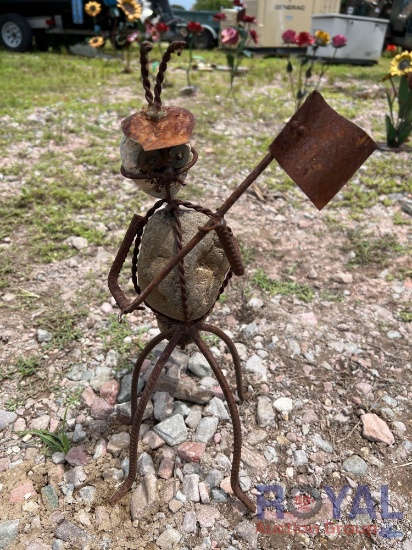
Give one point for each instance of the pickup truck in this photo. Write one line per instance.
(48, 21)
(208, 38)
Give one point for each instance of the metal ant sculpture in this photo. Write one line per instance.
(184, 254)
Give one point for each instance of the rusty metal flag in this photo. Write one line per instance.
(321, 150)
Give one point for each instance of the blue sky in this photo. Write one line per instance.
(185, 3)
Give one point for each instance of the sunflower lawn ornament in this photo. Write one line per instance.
(93, 8)
(399, 96)
(184, 254)
(96, 42)
(131, 9)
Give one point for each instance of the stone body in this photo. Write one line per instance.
(205, 266)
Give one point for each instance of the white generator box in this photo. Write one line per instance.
(365, 37)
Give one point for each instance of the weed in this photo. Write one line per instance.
(116, 336)
(331, 295)
(401, 219)
(61, 324)
(211, 339)
(285, 288)
(13, 403)
(27, 366)
(371, 250)
(74, 396)
(405, 315)
(55, 443)
(402, 274)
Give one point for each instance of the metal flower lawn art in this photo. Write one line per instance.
(399, 120)
(184, 254)
(236, 37)
(320, 39)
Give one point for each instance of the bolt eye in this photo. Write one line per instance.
(179, 155)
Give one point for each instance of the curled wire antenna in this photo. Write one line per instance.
(145, 48)
(175, 47)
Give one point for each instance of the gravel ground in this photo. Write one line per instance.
(328, 402)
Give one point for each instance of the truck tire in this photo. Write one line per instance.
(15, 33)
(204, 40)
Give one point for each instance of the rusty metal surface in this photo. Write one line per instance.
(174, 129)
(320, 150)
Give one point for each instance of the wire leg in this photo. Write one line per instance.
(237, 433)
(137, 419)
(136, 371)
(234, 353)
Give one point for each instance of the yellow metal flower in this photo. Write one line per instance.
(322, 38)
(131, 8)
(96, 42)
(401, 64)
(93, 8)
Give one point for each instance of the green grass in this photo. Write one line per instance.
(405, 315)
(371, 250)
(284, 288)
(113, 335)
(54, 443)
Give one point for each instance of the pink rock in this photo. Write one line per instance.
(217, 438)
(308, 318)
(4, 464)
(217, 392)
(146, 367)
(207, 516)
(166, 468)
(307, 369)
(328, 386)
(100, 449)
(226, 485)
(342, 278)
(153, 440)
(109, 391)
(19, 494)
(88, 397)
(191, 452)
(231, 320)
(376, 429)
(77, 456)
(309, 416)
(364, 387)
(54, 424)
(204, 492)
(101, 409)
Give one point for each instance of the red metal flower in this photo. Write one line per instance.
(230, 36)
(253, 35)
(162, 27)
(339, 41)
(391, 48)
(249, 19)
(304, 39)
(219, 17)
(194, 27)
(237, 3)
(289, 37)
